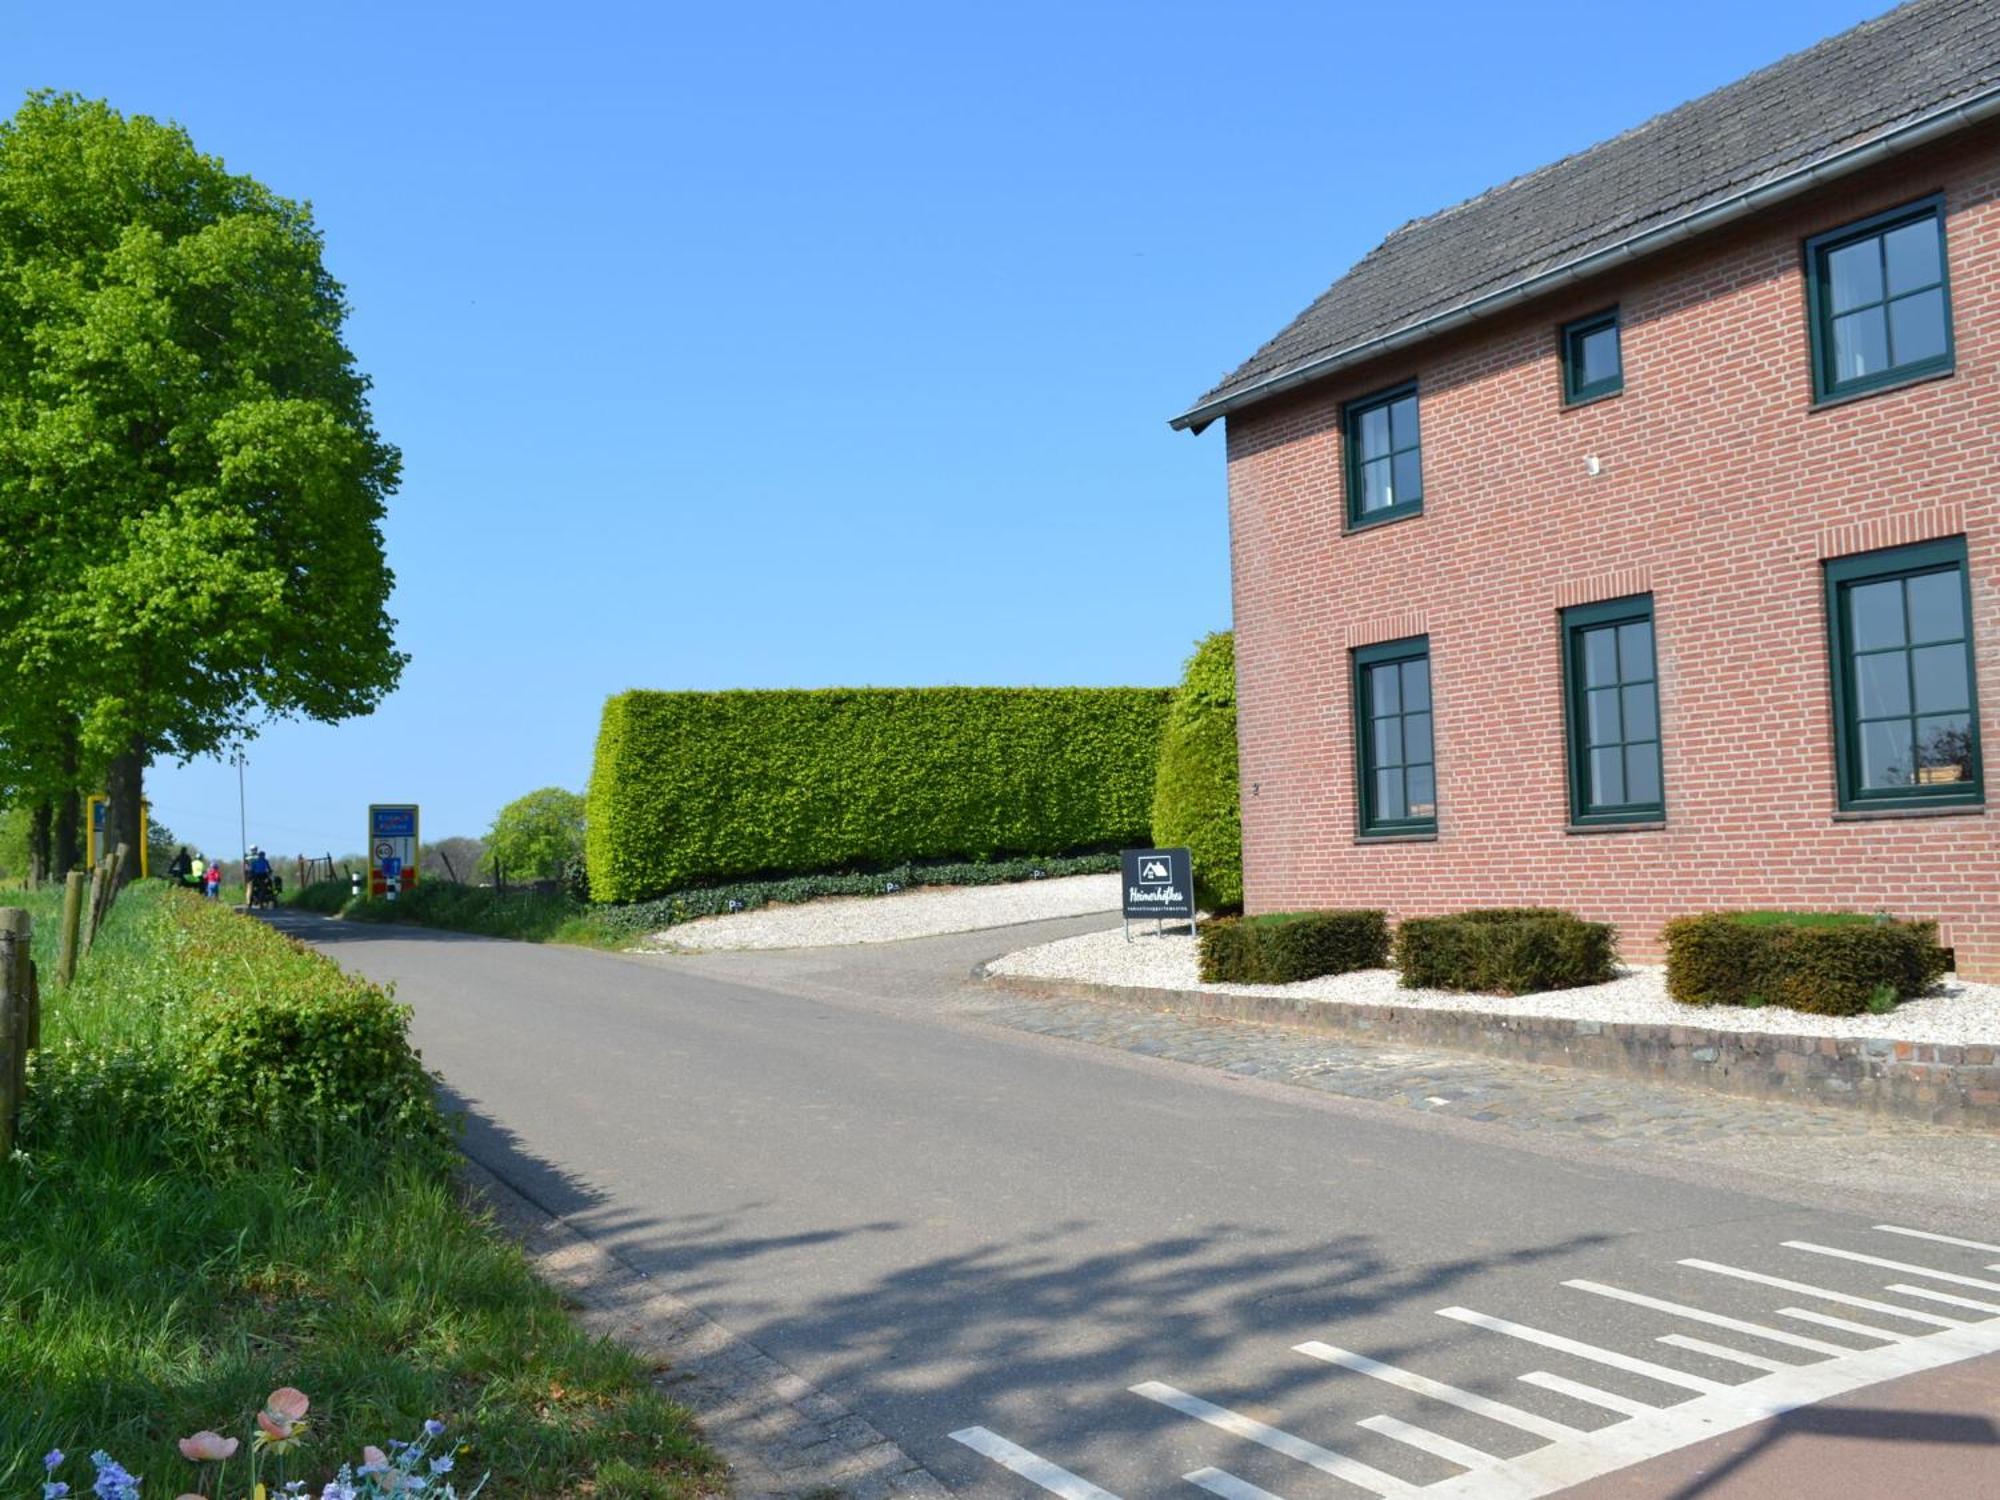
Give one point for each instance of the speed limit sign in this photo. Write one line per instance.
(384, 850)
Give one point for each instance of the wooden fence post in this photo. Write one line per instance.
(16, 928)
(72, 925)
(95, 908)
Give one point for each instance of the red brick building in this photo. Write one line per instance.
(1628, 537)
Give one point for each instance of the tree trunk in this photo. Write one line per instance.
(68, 852)
(124, 789)
(41, 833)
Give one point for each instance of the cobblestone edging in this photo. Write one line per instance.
(784, 1439)
(1929, 1082)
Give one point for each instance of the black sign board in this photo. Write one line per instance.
(1158, 883)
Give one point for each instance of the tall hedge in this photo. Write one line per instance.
(689, 787)
(1195, 797)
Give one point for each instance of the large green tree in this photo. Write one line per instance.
(536, 836)
(191, 484)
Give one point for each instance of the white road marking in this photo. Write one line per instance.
(1451, 1395)
(1723, 1351)
(1715, 1320)
(1324, 1459)
(1036, 1470)
(1895, 1265)
(1582, 1350)
(1222, 1482)
(1945, 1297)
(1942, 1239)
(1576, 1390)
(1846, 1325)
(1824, 1294)
(1463, 1454)
(1559, 1465)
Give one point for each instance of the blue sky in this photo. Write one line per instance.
(768, 346)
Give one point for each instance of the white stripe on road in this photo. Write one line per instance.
(1437, 1390)
(1895, 1265)
(1945, 1297)
(1942, 1239)
(1723, 1351)
(1715, 1320)
(1222, 1482)
(1591, 1395)
(1582, 1350)
(1056, 1480)
(1846, 1325)
(1235, 1423)
(1449, 1449)
(1806, 1289)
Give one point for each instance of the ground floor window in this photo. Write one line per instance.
(1614, 713)
(1395, 754)
(1906, 714)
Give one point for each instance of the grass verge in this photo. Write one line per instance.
(165, 1262)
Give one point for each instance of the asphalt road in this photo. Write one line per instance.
(957, 1229)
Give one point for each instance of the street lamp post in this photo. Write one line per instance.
(242, 815)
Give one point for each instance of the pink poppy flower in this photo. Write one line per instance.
(207, 1448)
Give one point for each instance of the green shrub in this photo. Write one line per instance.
(1504, 951)
(326, 897)
(1286, 947)
(698, 787)
(1195, 793)
(1825, 963)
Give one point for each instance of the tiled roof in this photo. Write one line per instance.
(1814, 105)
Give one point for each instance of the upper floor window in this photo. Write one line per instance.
(1906, 718)
(1394, 754)
(1880, 303)
(1593, 365)
(1385, 477)
(1614, 713)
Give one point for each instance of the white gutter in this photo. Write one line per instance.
(1918, 132)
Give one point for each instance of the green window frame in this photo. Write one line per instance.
(1611, 689)
(1384, 449)
(1878, 295)
(1905, 698)
(1586, 351)
(1395, 749)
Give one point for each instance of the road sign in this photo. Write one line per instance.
(1157, 883)
(392, 848)
(94, 836)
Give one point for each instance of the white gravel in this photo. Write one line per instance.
(928, 911)
(1954, 1011)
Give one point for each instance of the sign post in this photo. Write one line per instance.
(1158, 883)
(94, 834)
(392, 848)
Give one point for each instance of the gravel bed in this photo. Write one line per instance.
(928, 911)
(1953, 1011)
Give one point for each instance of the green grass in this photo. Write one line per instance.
(153, 1283)
(1804, 918)
(545, 917)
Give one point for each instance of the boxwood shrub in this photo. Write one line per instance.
(1195, 801)
(693, 788)
(1826, 963)
(1285, 947)
(1504, 951)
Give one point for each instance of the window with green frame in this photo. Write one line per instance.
(1613, 697)
(1906, 716)
(1385, 474)
(1593, 363)
(1880, 301)
(1394, 750)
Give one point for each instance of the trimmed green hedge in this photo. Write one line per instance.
(1285, 947)
(1828, 964)
(1195, 798)
(1511, 950)
(698, 787)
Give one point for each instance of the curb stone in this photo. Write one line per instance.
(782, 1436)
(1926, 1082)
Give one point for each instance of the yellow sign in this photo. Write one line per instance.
(94, 836)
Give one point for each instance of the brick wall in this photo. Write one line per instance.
(1720, 493)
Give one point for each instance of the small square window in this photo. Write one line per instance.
(1880, 302)
(1593, 364)
(1385, 477)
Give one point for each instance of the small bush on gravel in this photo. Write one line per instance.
(1824, 963)
(1504, 951)
(1286, 947)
